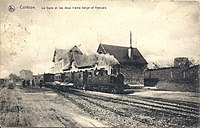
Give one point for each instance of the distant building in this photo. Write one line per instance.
(26, 74)
(130, 59)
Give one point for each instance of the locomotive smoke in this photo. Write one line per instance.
(99, 59)
(108, 59)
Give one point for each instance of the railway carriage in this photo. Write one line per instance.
(46, 79)
(91, 79)
(61, 81)
(69, 77)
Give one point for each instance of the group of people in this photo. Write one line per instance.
(29, 83)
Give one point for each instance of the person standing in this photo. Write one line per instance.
(28, 82)
(23, 83)
(40, 83)
(33, 84)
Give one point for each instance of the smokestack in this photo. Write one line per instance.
(131, 48)
(130, 39)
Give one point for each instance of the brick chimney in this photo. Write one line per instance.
(130, 49)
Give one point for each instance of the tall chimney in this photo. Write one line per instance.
(130, 39)
(130, 49)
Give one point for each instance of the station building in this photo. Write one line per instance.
(131, 61)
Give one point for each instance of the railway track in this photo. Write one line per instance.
(127, 110)
(154, 108)
(175, 108)
(187, 105)
(98, 111)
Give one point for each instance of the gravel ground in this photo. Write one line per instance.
(35, 107)
(123, 110)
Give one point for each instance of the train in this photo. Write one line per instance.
(93, 79)
(46, 79)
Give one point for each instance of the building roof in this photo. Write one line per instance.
(81, 60)
(64, 53)
(59, 54)
(76, 49)
(84, 49)
(121, 54)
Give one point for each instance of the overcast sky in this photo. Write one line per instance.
(162, 30)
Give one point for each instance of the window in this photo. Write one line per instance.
(113, 71)
(96, 72)
(80, 75)
(89, 74)
(106, 72)
(171, 74)
(100, 72)
(183, 74)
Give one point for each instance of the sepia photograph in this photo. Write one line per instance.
(100, 63)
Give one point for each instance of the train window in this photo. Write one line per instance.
(89, 74)
(106, 72)
(79, 75)
(96, 72)
(101, 72)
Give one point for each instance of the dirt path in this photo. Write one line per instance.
(40, 108)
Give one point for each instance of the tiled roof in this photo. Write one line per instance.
(59, 54)
(121, 54)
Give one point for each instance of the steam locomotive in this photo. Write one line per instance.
(93, 79)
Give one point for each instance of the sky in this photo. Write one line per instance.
(161, 31)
